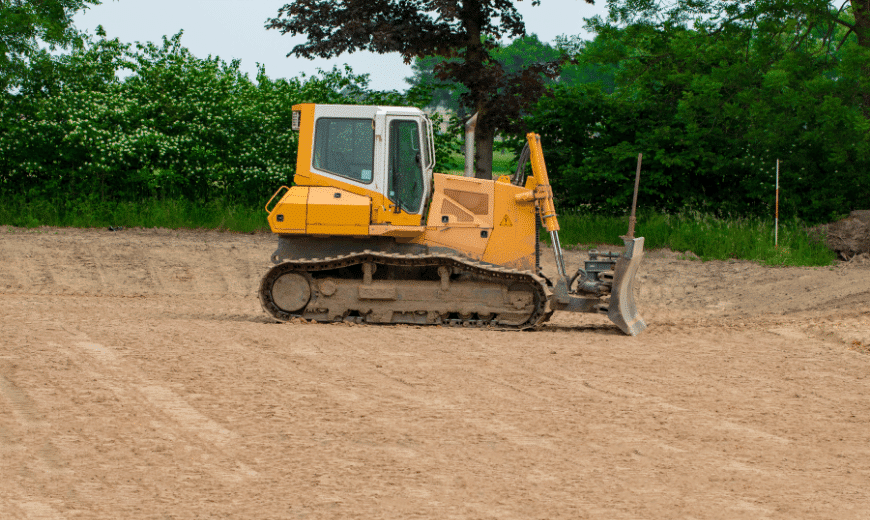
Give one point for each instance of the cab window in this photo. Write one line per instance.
(345, 147)
(404, 166)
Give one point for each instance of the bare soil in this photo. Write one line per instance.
(139, 378)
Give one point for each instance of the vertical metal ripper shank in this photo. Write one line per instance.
(623, 308)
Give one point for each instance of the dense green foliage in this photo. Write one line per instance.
(712, 105)
(178, 126)
(23, 24)
(513, 58)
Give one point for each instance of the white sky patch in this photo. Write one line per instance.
(235, 29)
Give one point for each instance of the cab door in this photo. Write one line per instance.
(408, 165)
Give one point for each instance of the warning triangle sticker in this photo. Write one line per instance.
(506, 222)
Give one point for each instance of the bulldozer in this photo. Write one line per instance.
(369, 233)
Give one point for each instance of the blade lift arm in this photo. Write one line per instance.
(544, 195)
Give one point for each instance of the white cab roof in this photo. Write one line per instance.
(363, 111)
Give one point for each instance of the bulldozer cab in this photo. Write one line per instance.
(343, 147)
(386, 153)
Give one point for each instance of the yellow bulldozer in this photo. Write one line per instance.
(370, 234)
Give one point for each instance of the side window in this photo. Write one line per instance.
(345, 147)
(404, 170)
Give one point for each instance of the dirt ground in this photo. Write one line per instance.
(139, 378)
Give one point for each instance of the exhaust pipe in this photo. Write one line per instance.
(470, 125)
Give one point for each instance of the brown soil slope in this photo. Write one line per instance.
(139, 378)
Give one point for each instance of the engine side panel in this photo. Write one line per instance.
(460, 215)
(512, 241)
(461, 202)
(482, 220)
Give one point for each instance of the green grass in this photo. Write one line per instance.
(149, 213)
(708, 237)
(501, 162)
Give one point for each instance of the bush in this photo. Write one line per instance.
(177, 128)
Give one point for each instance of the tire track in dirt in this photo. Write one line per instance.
(10, 275)
(700, 420)
(30, 420)
(22, 404)
(29, 510)
(17, 459)
(181, 420)
(419, 398)
(390, 416)
(89, 271)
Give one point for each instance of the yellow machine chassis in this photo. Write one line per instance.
(492, 222)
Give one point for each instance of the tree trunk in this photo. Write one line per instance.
(483, 139)
(475, 58)
(861, 11)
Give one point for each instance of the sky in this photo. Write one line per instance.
(235, 29)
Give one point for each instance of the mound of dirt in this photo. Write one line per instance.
(861, 214)
(849, 237)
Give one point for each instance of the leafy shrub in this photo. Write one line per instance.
(178, 127)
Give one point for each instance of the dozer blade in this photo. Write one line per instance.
(623, 309)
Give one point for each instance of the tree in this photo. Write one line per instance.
(819, 28)
(445, 94)
(24, 23)
(463, 33)
(712, 106)
(513, 58)
(582, 71)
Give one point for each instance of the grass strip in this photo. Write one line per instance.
(148, 213)
(706, 236)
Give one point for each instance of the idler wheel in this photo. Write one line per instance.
(291, 292)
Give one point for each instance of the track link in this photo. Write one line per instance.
(381, 300)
